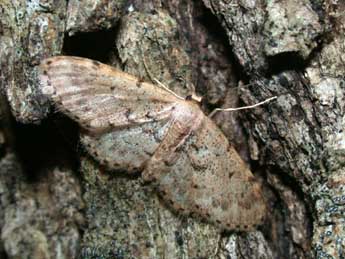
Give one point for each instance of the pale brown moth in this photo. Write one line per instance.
(137, 126)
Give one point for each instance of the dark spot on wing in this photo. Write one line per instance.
(49, 62)
(128, 113)
(139, 82)
(148, 115)
(231, 174)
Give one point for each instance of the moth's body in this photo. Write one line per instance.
(136, 126)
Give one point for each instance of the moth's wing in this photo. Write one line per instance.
(126, 149)
(100, 97)
(210, 180)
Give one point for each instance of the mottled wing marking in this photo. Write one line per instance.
(181, 150)
(100, 97)
(208, 179)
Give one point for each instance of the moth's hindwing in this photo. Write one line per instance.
(127, 149)
(211, 181)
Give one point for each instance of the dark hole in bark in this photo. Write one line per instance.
(179, 238)
(93, 45)
(216, 33)
(3, 255)
(46, 145)
(285, 61)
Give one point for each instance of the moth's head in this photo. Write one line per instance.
(194, 98)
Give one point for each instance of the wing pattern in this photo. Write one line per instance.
(134, 126)
(100, 97)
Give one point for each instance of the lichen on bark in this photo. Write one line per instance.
(300, 135)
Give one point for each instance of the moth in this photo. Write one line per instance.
(134, 126)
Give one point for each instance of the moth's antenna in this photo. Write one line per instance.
(242, 108)
(167, 89)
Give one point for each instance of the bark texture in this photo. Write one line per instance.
(56, 202)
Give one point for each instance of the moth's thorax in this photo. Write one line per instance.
(187, 111)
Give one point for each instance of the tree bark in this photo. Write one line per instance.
(57, 202)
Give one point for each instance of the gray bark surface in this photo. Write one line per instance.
(57, 202)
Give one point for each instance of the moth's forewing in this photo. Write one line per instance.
(210, 180)
(100, 97)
